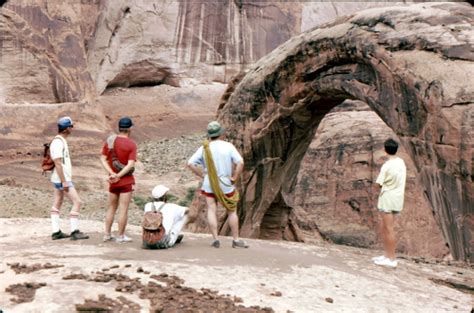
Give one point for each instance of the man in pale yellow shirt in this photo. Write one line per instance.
(392, 179)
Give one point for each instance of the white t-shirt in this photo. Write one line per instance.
(225, 155)
(392, 178)
(172, 213)
(59, 149)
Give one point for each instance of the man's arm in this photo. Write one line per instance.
(105, 164)
(239, 168)
(126, 169)
(58, 163)
(197, 170)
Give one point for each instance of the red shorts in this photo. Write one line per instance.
(211, 195)
(121, 189)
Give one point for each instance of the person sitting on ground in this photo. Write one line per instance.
(174, 216)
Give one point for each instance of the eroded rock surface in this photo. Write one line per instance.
(334, 196)
(412, 65)
(57, 51)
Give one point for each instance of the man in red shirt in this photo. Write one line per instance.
(118, 158)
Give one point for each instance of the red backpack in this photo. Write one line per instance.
(47, 164)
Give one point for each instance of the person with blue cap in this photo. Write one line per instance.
(118, 158)
(61, 177)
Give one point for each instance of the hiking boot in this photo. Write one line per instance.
(386, 262)
(123, 239)
(59, 235)
(108, 238)
(78, 235)
(216, 244)
(179, 239)
(239, 244)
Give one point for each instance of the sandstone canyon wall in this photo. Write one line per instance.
(334, 195)
(412, 65)
(63, 51)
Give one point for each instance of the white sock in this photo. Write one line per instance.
(54, 219)
(73, 218)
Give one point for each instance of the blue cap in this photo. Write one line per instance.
(65, 122)
(125, 122)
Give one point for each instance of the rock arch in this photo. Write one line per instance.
(412, 65)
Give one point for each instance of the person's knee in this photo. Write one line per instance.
(78, 202)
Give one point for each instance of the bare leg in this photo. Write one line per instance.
(74, 197)
(234, 224)
(58, 198)
(123, 204)
(109, 219)
(57, 202)
(388, 235)
(76, 206)
(211, 216)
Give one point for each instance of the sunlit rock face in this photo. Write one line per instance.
(42, 51)
(63, 51)
(412, 65)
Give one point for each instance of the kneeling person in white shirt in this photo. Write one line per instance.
(174, 216)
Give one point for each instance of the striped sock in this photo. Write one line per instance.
(54, 219)
(74, 219)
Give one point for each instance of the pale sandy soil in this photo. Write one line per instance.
(310, 278)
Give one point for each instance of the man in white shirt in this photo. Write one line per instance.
(61, 178)
(174, 216)
(392, 179)
(229, 165)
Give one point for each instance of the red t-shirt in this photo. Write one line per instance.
(126, 150)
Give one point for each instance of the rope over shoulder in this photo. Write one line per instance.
(230, 203)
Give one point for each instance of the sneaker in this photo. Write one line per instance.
(378, 258)
(59, 235)
(123, 239)
(78, 235)
(179, 239)
(216, 244)
(108, 238)
(386, 262)
(239, 244)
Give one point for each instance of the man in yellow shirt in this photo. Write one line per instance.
(392, 179)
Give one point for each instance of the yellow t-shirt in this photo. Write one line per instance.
(392, 178)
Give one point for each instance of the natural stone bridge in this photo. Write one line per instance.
(412, 65)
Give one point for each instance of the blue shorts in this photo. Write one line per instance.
(59, 186)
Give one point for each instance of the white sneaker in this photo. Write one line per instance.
(108, 238)
(386, 262)
(123, 238)
(378, 258)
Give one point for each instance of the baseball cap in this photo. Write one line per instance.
(214, 129)
(65, 122)
(159, 191)
(125, 122)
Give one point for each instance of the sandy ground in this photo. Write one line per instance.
(284, 276)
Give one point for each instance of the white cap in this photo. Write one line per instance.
(159, 191)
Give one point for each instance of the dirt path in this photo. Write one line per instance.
(278, 275)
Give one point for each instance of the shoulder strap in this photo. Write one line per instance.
(64, 145)
(111, 141)
(159, 209)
